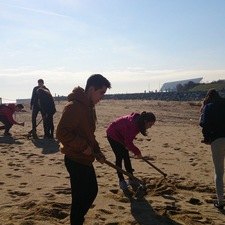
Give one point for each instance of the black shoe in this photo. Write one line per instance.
(7, 134)
(218, 206)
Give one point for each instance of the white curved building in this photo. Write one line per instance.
(172, 86)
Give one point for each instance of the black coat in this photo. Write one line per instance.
(46, 101)
(213, 120)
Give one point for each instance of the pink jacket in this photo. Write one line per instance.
(8, 112)
(124, 130)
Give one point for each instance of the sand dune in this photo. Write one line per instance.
(34, 183)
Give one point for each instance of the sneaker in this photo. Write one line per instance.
(7, 134)
(123, 184)
(218, 205)
(134, 183)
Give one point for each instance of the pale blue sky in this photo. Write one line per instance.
(137, 44)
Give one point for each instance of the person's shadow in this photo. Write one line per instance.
(144, 214)
(9, 140)
(49, 146)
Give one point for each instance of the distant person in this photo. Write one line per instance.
(213, 129)
(35, 107)
(121, 133)
(47, 105)
(75, 131)
(6, 116)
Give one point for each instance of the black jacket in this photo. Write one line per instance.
(35, 96)
(213, 120)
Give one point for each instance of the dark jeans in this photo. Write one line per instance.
(48, 125)
(121, 154)
(84, 189)
(7, 124)
(35, 112)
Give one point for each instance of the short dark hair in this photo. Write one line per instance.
(41, 81)
(20, 106)
(97, 81)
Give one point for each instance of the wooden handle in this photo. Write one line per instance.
(149, 163)
(123, 171)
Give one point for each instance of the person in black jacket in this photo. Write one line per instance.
(35, 107)
(47, 105)
(212, 122)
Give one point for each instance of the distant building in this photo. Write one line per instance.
(172, 86)
(25, 100)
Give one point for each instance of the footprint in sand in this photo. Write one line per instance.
(62, 190)
(49, 196)
(23, 185)
(12, 176)
(15, 194)
(117, 207)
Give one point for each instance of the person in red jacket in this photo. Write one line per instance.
(121, 133)
(6, 116)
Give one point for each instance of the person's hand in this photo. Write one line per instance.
(139, 156)
(87, 151)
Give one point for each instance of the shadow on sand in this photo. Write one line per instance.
(9, 140)
(48, 146)
(144, 214)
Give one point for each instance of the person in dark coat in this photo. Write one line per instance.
(47, 105)
(35, 107)
(212, 122)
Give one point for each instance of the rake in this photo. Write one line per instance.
(141, 190)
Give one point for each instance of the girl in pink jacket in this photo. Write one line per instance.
(121, 133)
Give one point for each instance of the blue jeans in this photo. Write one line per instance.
(84, 189)
(218, 155)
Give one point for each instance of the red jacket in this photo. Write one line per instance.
(8, 112)
(124, 130)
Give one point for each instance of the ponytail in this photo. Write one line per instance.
(142, 119)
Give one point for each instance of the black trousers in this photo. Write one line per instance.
(121, 154)
(84, 189)
(7, 124)
(48, 125)
(35, 112)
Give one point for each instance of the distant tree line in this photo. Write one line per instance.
(190, 85)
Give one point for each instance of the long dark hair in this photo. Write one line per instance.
(142, 118)
(211, 96)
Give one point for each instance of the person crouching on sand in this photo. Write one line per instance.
(6, 116)
(121, 133)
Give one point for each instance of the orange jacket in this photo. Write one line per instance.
(76, 128)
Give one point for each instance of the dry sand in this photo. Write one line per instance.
(34, 183)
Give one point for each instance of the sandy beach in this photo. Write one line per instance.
(35, 188)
